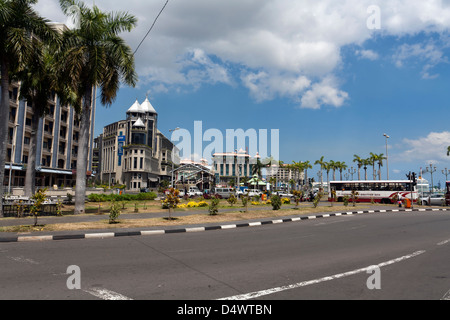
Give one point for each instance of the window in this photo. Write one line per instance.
(135, 163)
(141, 164)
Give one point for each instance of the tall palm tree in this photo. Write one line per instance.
(38, 81)
(94, 56)
(359, 162)
(373, 159)
(341, 166)
(322, 165)
(333, 166)
(306, 165)
(18, 21)
(379, 159)
(365, 163)
(328, 167)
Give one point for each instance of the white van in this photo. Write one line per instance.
(194, 191)
(225, 193)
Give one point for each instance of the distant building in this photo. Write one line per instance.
(134, 152)
(228, 167)
(283, 175)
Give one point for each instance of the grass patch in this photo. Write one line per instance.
(203, 218)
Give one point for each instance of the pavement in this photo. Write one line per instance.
(119, 232)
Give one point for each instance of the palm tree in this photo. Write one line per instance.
(365, 163)
(18, 21)
(359, 161)
(322, 164)
(341, 166)
(379, 158)
(38, 81)
(306, 165)
(333, 166)
(328, 167)
(94, 56)
(373, 159)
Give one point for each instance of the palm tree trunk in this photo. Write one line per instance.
(30, 176)
(83, 150)
(4, 116)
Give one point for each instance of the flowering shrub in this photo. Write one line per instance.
(285, 200)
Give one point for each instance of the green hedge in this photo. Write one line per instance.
(121, 197)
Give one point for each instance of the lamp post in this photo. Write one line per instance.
(352, 171)
(431, 169)
(387, 161)
(446, 173)
(173, 130)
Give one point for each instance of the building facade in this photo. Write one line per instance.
(57, 142)
(133, 151)
(284, 176)
(229, 167)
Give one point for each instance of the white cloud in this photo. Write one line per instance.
(324, 93)
(432, 148)
(429, 54)
(274, 48)
(367, 54)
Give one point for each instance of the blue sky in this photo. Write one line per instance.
(312, 69)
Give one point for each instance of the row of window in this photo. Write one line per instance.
(399, 186)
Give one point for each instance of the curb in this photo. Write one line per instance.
(195, 229)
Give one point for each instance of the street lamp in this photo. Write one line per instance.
(431, 169)
(387, 161)
(446, 173)
(173, 130)
(352, 171)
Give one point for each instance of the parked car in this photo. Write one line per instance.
(434, 200)
(194, 192)
(284, 194)
(239, 193)
(253, 192)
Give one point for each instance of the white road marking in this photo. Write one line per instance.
(23, 259)
(261, 293)
(443, 242)
(106, 294)
(446, 296)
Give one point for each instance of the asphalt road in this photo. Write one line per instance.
(314, 259)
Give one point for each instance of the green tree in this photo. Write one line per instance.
(359, 161)
(365, 163)
(322, 164)
(18, 20)
(341, 166)
(36, 209)
(94, 56)
(38, 83)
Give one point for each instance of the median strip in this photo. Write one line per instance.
(107, 235)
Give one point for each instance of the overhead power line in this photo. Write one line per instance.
(154, 22)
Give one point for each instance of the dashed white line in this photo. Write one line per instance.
(443, 242)
(261, 293)
(106, 294)
(446, 296)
